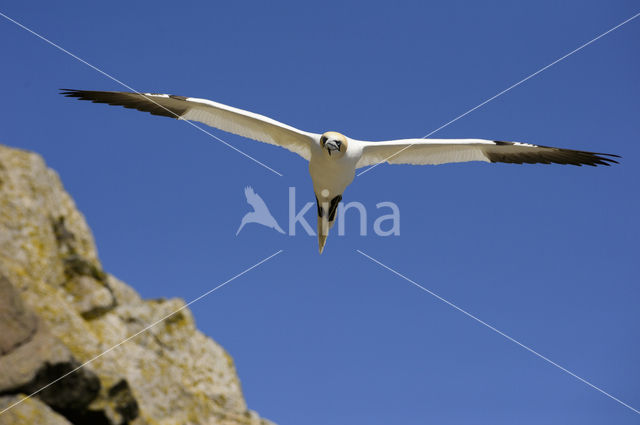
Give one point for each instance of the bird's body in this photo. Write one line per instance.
(331, 173)
(333, 157)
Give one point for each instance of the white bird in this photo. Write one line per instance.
(334, 157)
(260, 213)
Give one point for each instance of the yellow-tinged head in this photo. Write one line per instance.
(334, 144)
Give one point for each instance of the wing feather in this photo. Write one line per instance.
(443, 151)
(226, 118)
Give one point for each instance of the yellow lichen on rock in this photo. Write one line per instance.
(30, 411)
(145, 364)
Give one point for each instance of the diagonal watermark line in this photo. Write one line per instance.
(264, 260)
(499, 332)
(507, 89)
(137, 92)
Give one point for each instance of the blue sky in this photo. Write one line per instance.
(547, 254)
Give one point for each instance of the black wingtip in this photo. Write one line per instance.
(140, 101)
(553, 155)
(71, 92)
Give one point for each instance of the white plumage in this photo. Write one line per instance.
(333, 157)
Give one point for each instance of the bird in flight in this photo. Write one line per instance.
(333, 157)
(260, 213)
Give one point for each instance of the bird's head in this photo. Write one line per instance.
(334, 144)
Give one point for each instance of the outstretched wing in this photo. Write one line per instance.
(254, 200)
(227, 118)
(442, 151)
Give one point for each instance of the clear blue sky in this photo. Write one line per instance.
(547, 254)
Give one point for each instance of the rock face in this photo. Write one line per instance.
(60, 310)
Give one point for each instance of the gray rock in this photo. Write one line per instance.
(59, 309)
(17, 324)
(90, 297)
(31, 411)
(27, 345)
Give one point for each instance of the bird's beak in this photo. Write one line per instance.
(332, 146)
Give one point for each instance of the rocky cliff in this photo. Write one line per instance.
(60, 309)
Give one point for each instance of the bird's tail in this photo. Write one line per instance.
(323, 232)
(326, 218)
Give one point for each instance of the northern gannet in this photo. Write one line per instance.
(333, 157)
